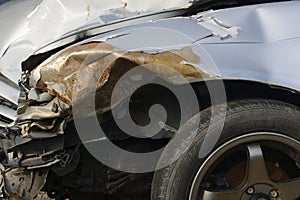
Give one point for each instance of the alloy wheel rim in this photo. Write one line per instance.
(257, 183)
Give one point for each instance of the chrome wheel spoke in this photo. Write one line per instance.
(257, 170)
(220, 195)
(291, 189)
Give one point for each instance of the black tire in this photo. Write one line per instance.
(242, 117)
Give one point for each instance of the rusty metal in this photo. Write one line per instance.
(109, 63)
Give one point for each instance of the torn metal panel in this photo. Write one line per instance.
(60, 75)
(43, 129)
(263, 35)
(23, 37)
(42, 120)
(53, 109)
(257, 21)
(179, 43)
(205, 46)
(34, 21)
(162, 35)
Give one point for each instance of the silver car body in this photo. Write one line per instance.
(257, 43)
(266, 31)
(35, 26)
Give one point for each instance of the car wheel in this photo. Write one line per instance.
(256, 157)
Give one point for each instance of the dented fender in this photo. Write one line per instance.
(245, 43)
(208, 46)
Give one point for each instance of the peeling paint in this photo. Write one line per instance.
(218, 28)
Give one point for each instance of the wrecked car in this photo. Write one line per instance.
(139, 99)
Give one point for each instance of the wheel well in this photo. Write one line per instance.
(248, 89)
(239, 89)
(142, 100)
(235, 90)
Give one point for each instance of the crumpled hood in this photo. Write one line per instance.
(29, 25)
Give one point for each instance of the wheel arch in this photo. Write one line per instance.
(234, 89)
(246, 89)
